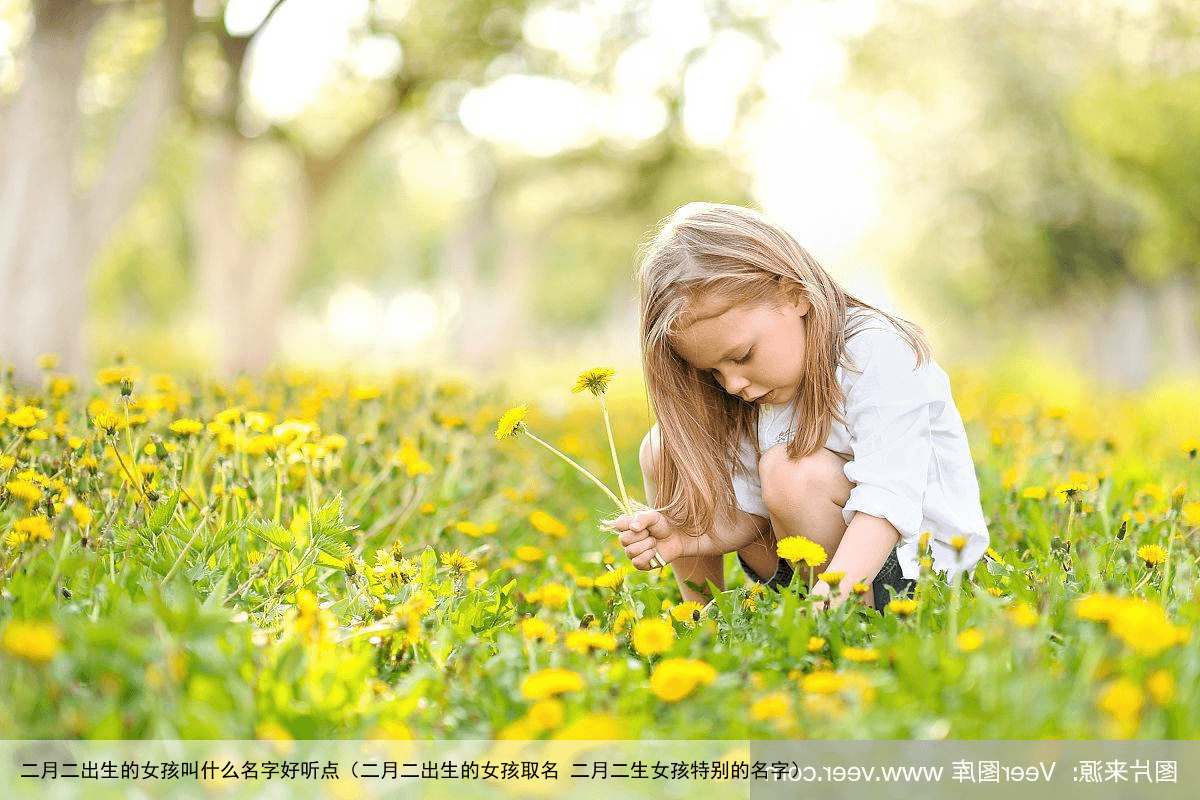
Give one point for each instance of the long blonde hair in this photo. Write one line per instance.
(734, 254)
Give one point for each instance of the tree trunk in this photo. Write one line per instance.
(243, 280)
(43, 260)
(50, 231)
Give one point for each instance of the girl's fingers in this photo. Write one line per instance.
(637, 549)
(629, 537)
(621, 523)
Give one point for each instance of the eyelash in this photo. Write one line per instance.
(741, 360)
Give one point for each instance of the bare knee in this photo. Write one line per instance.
(649, 453)
(786, 481)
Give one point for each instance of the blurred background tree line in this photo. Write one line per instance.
(467, 179)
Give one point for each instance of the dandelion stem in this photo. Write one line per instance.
(583, 470)
(612, 447)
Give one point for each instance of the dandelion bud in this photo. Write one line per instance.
(152, 495)
(1121, 531)
(126, 387)
(160, 450)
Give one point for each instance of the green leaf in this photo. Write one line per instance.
(161, 515)
(331, 520)
(275, 535)
(332, 552)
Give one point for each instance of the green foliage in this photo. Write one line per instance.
(409, 601)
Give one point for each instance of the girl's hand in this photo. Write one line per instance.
(649, 541)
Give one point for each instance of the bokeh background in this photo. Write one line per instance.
(222, 186)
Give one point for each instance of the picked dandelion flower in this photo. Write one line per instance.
(594, 380)
(511, 422)
(1152, 554)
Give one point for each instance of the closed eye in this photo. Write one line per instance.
(744, 358)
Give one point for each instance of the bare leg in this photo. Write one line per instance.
(699, 570)
(805, 498)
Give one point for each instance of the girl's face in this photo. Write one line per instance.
(753, 352)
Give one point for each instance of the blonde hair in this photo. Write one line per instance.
(705, 251)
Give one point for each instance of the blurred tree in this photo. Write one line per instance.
(1013, 199)
(54, 217)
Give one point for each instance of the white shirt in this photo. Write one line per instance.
(909, 459)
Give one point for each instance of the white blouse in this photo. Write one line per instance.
(909, 459)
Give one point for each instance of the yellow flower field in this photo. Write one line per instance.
(312, 556)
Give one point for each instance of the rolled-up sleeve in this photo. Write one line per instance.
(888, 411)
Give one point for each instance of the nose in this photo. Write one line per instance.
(736, 384)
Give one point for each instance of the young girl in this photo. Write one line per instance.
(788, 407)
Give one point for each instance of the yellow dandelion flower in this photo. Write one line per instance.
(822, 682)
(544, 523)
(537, 630)
(1152, 554)
(958, 542)
(82, 514)
(676, 678)
(594, 380)
(903, 607)
(832, 578)
(773, 706)
(1161, 685)
(797, 549)
(362, 392)
(24, 490)
(545, 715)
(861, 655)
(186, 427)
(624, 617)
(815, 644)
(688, 612)
(584, 581)
(864, 588)
(107, 421)
(469, 528)
(969, 640)
(458, 562)
(35, 642)
(554, 595)
(612, 579)
(653, 636)
(1123, 699)
(530, 554)
(585, 642)
(26, 417)
(511, 422)
(1034, 493)
(1023, 615)
(1191, 513)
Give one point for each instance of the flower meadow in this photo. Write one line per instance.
(319, 556)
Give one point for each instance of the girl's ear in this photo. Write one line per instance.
(797, 297)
